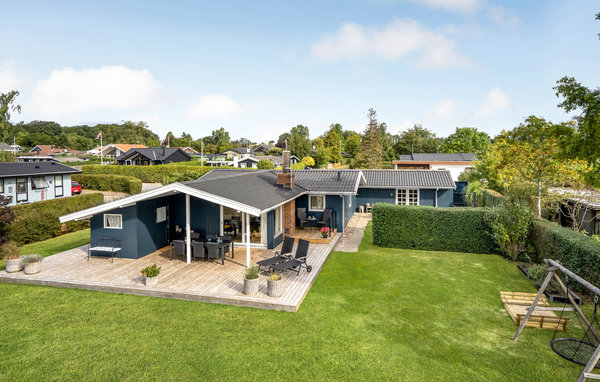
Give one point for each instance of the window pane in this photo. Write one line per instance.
(112, 221)
(1, 185)
(317, 202)
(401, 196)
(21, 185)
(161, 214)
(58, 180)
(413, 197)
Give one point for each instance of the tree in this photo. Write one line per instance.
(352, 144)
(265, 164)
(417, 140)
(531, 153)
(466, 140)
(510, 223)
(308, 161)
(333, 142)
(219, 139)
(370, 151)
(387, 143)
(277, 151)
(283, 140)
(7, 106)
(299, 142)
(7, 216)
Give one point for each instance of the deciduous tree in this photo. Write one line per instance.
(466, 140)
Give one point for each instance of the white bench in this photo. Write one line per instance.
(105, 245)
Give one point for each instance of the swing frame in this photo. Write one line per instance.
(553, 266)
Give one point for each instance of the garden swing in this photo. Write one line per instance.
(584, 351)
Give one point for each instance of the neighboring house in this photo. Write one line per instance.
(12, 148)
(153, 155)
(188, 150)
(236, 153)
(250, 162)
(114, 151)
(33, 182)
(456, 163)
(260, 149)
(51, 150)
(583, 206)
(262, 204)
(36, 158)
(213, 160)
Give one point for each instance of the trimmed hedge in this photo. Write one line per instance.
(103, 182)
(432, 228)
(490, 198)
(39, 221)
(164, 173)
(574, 250)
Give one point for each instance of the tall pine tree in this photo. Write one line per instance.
(371, 150)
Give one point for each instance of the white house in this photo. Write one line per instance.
(456, 163)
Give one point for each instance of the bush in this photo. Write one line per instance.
(431, 228)
(103, 182)
(297, 166)
(252, 273)
(151, 271)
(10, 250)
(39, 221)
(509, 224)
(265, 164)
(576, 251)
(164, 173)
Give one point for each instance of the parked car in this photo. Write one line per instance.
(75, 188)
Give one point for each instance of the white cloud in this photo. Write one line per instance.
(495, 101)
(443, 111)
(216, 106)
(69, 92)
(397, 39)
(462, 6)
(9, 78)
(504, 17)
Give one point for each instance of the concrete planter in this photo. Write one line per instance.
(14, 265)
(151, 281)
(251, 286)
(31, 268)
(275, 288)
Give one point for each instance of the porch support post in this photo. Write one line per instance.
(247, 240)
(188, 239)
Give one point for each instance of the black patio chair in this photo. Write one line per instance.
(286, 247)
(212, 237)
(178, 248)
(212, 250)
(301, 214)
(326, 219)
(198, 250)
(297, 262)
(194, 235)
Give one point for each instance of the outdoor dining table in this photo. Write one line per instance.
(221, 246)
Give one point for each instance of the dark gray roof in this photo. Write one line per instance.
(153, 153)
(12, 169)
(257, 189)
(438, 157)
(239, 150)
(261, 147)
(408, 178)
(330, 181)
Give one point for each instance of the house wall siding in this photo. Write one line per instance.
(204, 215)
(33, 195)
(333, 202)
(375, 195)
(151, 235)
(126, 234)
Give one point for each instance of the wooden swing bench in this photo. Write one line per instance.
(518, 303)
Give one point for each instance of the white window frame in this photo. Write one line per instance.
(310, 206)
(406, 192)
(57, 187)
(161, 214)
(277, 222)
(2, 186)
(120, 219)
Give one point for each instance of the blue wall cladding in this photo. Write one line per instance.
(272, 241)
(375, 195)
(333, 202)
(152, 235)
(127, 234)
(445, 198)
(205, 216)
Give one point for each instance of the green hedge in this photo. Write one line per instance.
(431, 228)
(39, 221)
(490, 198)
(103, 182)
(165, 173)
(576, 251)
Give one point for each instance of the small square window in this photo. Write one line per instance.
(316, 202)
(161, 214)
(113, 221)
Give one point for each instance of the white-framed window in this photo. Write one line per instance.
(1, 186)
(113, 221)
(58, 185)
(408, 197)
(243, 165)
(21, 189)
(38, 183)
(316, 202)
(161, 214)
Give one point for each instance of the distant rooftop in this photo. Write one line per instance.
(437, 157)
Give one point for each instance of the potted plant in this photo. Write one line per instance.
(251, 281)
(14, 262)
(325, 231)
(32, 264)
(151, 274)
(274, 285)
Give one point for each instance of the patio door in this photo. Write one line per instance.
(162, 225)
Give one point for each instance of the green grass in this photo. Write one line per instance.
(54, 245)
(380, 314)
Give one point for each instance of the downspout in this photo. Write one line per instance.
(436, 196)
(343, 216)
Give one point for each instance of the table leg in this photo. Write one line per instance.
(222, 249)
(232, 254)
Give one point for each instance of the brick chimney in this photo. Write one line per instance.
(285, 177)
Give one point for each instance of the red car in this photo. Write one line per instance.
(75, 188)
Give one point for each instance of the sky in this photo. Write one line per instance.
(257, 68)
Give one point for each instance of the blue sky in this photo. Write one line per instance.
(258, 68)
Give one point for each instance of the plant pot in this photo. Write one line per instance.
(275, 288)
(31, 268)
(14, 265)
(151, 281)
(325, 235)
(250, 286)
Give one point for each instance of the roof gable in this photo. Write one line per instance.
(11, 169)
(408, 179)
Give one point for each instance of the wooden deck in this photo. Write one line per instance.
(314, 236)
(198, 281)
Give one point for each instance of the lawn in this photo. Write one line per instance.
(380, 314)
(55, 245)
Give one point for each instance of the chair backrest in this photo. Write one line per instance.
(194, 235)
(212, 237)
(212, 250)
(302, 249)
(326, 214)
(198, 248)
(301, 213)
(226, 238)
(179, 247)
(288, 245)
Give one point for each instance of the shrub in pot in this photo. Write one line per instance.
(32, 264)
(12, 253)
(151, 274)
(274, 285)
(251, 281)
(325, 231)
